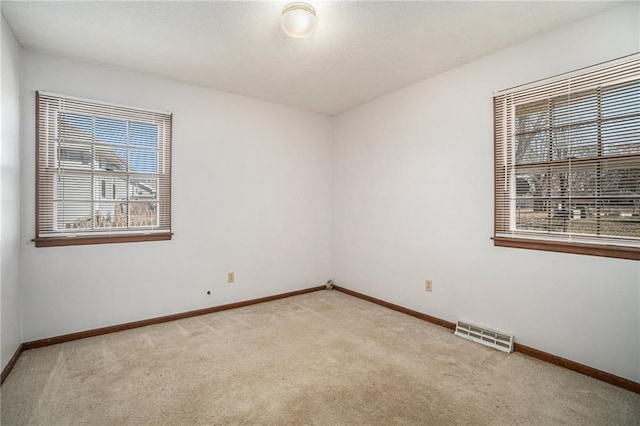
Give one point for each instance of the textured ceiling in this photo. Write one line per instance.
(360, 50)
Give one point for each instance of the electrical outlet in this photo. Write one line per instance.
(428, 285)
(231, 277)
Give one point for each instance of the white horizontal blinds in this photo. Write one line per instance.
(568, 158)
(102, 169)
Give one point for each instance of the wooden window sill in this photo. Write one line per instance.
(602, 250)
(100, 239)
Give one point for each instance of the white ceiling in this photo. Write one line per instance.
(360, 50)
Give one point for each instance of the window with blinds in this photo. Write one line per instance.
(103, 172)
(567, 162)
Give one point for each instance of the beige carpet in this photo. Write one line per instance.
(321, 358)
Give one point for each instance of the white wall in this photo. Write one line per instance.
(251, 194)
(399, 162)
(10, 196)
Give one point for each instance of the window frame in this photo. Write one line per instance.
(611, 73)
(123, 234)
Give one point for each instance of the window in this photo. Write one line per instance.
(103, 173)
(567, 162)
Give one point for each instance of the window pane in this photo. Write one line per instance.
(143, 189)
(581, 217)
(111, 158)
(621, 218)
(111, 214)
(144, 214)
(75, 127)
(73, 187)
(109, 187)
(532, 147)
(531, 182)
(532, 187)
(73, 215)
(579, 141)
(532, 117)
(74, 156)
(143, 134)
(574, 109)
(143, 161)
(531, 215)
(621, 136)
(621, 182)
(111, 130)
(583, 180)
(621, 99)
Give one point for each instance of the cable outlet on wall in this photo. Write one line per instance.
(231, 276)
(428, 285)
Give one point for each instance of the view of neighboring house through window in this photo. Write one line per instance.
(568, 163)
(103, 171)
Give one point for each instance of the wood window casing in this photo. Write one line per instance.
(567, 162)
(103, 172)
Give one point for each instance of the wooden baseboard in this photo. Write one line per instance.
(398, 308)
(11, 363)
(525, 350)
(580, 368)
(143, 323)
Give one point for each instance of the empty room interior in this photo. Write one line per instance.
(343, 212)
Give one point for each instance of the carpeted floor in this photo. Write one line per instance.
(321, 358)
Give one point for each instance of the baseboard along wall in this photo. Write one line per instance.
(143, 323)
(525, 350)
(11, 363)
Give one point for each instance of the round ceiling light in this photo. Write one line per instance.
(299, 19)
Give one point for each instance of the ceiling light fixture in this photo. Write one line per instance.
(299, 19)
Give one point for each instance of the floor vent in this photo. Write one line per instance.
(494, 339)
